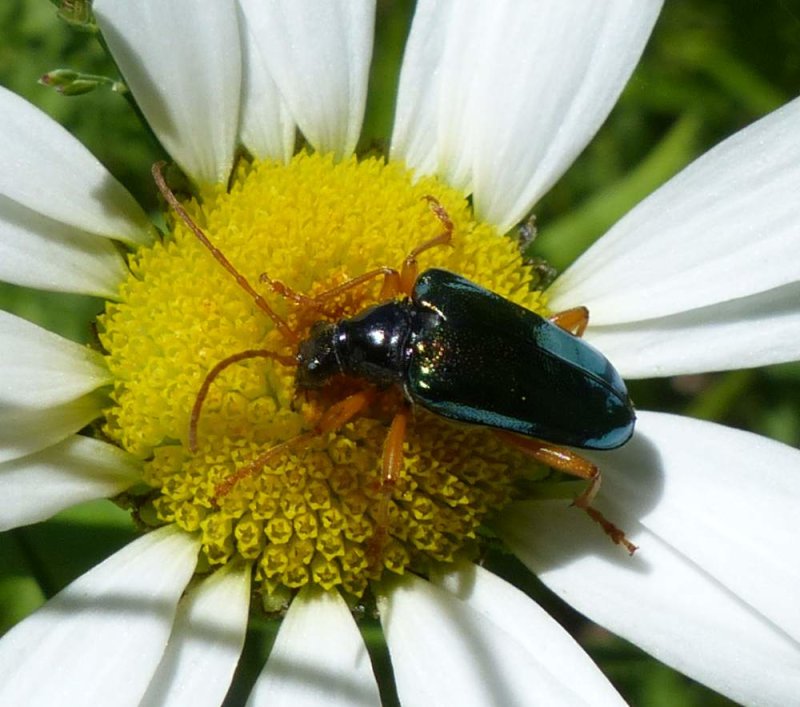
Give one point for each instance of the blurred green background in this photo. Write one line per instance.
(710, 68)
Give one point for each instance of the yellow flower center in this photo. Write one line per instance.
(310, 513)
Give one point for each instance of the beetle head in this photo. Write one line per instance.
(317, 362)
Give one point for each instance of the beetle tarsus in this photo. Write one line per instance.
(616, 534)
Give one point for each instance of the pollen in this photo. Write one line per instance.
(310, 514)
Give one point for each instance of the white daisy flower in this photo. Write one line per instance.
(495, 104)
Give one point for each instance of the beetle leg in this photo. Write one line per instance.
(573, 320)
(335, 417)
(284, 290)
(394, 282)
(408, 274)
(571, 463)
(391, 467)
(389, 289)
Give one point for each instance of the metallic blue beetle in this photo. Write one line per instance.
(470, 355)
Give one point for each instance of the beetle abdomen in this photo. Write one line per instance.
(491, 362)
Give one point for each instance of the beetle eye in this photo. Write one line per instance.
(316, 358)
(318, 329)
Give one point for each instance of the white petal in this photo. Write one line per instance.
(41, 369)
(50, 172)
(77, 469)
(726, 227)
(205, 644)
(712, 589)
(36, 251)
(416, 120)
(518, 615)
(318, 658)
(182, 61)
(446, 652)
(567, 64)
(267, 129)
(319, 56)
(25, 430)
(514, 92)
(752, 331)
(99, 640)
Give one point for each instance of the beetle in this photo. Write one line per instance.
(453, 348)
(470, 355)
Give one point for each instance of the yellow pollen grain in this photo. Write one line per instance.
(310, 514)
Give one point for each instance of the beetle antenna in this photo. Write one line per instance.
(240, 279)
(211, 376)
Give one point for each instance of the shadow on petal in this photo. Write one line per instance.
(633, 483)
